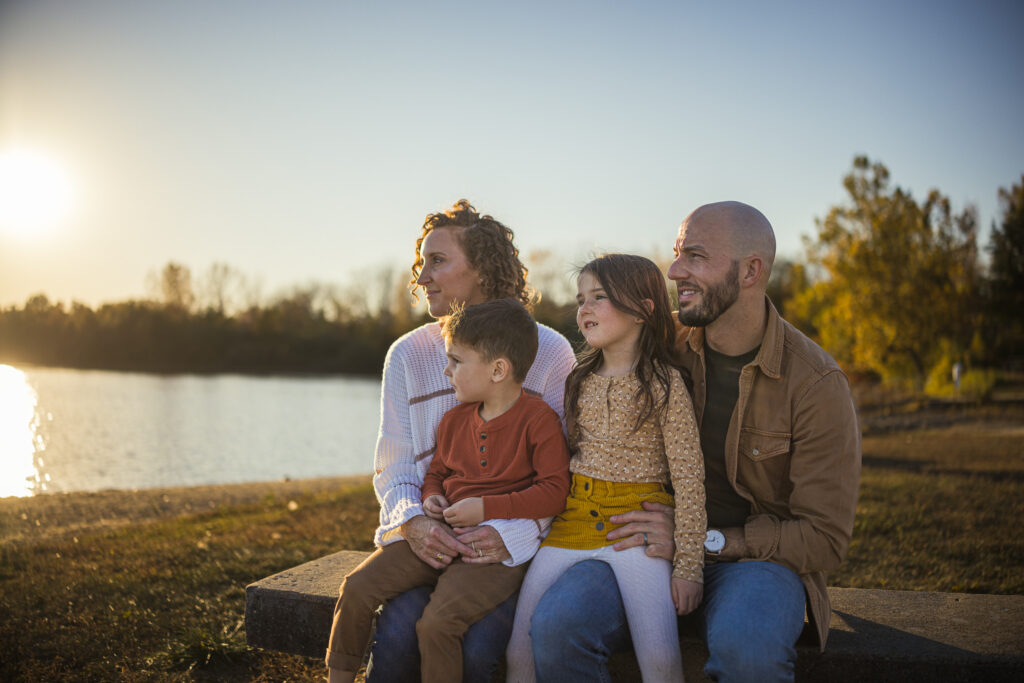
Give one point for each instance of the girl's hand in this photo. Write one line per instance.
(433, 541)
(467, 512)
(686, 595)
(486, 546)
(434, 506)
(654, 524)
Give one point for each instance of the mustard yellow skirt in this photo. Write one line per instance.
(584, 524)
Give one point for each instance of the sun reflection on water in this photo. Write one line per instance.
(20, 443)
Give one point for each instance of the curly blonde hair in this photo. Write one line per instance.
(489, 248)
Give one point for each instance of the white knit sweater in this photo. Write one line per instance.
(415, 394)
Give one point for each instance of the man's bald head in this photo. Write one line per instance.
(747, 230)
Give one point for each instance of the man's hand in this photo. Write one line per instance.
(433, 541)
(485, 543)
(653, 526)
(434, 506)
(686, 595)
(467, 512)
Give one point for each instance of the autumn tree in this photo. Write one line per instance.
(1005, 285)
(898, 292)
(220, 288)
(172, 286)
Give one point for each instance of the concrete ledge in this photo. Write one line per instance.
(876, 635)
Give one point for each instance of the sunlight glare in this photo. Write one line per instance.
(18, 426)
(35, 192)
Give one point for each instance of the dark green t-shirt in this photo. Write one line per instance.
(726, 508)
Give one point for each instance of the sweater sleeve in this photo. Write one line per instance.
(522, 537)
(549, 457)
(554, 361)
(686, 467)
(395, 479)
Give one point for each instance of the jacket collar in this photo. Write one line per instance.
(769, 357)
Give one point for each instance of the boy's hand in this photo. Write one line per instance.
(467, 512)
(434, 507)
(686, 595)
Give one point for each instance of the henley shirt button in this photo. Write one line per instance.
(483, 463)
(593, 513)
(483, 448)
(483, 436)
(599, 526)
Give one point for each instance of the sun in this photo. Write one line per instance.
(36, 192)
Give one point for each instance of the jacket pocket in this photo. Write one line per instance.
(760, 445)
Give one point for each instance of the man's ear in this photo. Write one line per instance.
(751, 272)
(500, 369)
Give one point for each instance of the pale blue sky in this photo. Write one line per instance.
(307, 140)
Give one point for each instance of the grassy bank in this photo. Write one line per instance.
(150, 585)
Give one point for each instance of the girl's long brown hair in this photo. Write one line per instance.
(627, 281)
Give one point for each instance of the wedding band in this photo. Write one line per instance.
(440, 557)
(474, 546)
(479, 553)
(645, 538)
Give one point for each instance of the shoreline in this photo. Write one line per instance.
(66, 513)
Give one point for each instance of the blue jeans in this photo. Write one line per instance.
(750, 618)
(395, 656)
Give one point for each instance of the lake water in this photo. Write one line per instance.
(87, 430)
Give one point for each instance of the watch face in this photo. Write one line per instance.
(715, 541)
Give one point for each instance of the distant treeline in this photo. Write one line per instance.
(893, 287)
(155, 337)
(295, 334)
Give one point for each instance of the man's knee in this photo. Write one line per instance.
(750, 654)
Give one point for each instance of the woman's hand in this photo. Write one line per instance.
(486, 546)
(433, 541)
(653, 526)
(686, 595)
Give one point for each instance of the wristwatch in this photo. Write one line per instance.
(714, 542)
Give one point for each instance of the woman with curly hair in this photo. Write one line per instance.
(462, 257)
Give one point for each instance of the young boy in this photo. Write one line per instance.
(500, 454)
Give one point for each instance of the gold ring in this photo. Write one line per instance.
(440, 557)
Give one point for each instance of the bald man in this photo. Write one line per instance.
(781, 447)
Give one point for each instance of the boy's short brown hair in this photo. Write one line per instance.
(500, 328)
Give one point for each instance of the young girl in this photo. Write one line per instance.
(631, 431)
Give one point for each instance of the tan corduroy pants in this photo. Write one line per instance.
(463, 594)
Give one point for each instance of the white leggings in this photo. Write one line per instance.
(645, 585)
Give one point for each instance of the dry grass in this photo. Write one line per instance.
(149, 585)
(161, 597)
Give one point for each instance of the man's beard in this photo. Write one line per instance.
(714, 300)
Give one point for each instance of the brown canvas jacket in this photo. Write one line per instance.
(793, 451)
